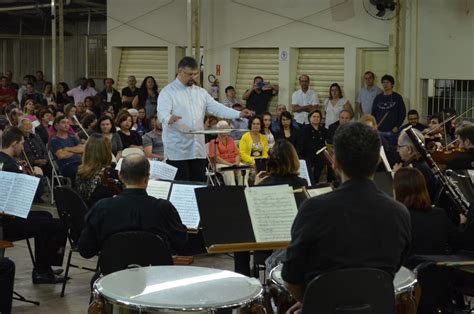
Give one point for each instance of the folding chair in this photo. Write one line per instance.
(350, 291)
(56, 176)
(71, 210)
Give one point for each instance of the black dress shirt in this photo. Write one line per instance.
(331, 131)
(312, 140)
(356, 225)
(133, 209)
(295, 137)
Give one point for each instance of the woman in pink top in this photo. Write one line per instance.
(30, 108)
(227, 155)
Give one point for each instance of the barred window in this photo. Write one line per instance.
(97, 57)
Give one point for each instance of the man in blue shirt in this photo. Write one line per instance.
(66, 148)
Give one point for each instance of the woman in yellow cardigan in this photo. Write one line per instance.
(253, 144)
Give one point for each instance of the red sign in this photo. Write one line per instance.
(218, 69)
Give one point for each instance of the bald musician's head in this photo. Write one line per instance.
(135, 171)
(356, 150)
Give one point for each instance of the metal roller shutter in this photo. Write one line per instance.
(324, 67)
(253, 62)
(143, 62)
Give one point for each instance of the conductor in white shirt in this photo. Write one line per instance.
(303, 101)
(182, 106)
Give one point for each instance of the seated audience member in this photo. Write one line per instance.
(31, 94)
(313, 138)
(410, 156)
(22, 89)
(82, 90)
(142, 122)
(66, 148)
(30, 110)
(52, 129)
(147, 96)
(70, 113)
(345, 117)
(153, 142)
(129, 92)
(14, 115)
(34, 147)
(239, 123)
(7, 277)
(134, 113)
(334, 104)
(230, 97)
(109, 95)
(276, 120)
(133, 209)
(81, 110)
(227, 154)
(49, 233)
(465, 160)
(108, 110)
(39, 82)
(253, 145)
(45, 118)
(414, 120)
(48, 96)
(62, 99)
(283, 167)
(88, 122)
(288, 131)
(370, 228)
(390, 151)
(96, 178)
(92, 106)
(106, 126)
(129, 137)
(7, 94)
(267, 123)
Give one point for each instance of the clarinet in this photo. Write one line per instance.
(453, 192)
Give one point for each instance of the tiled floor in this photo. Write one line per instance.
(77, 290)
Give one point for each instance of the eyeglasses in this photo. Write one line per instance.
(400, 146)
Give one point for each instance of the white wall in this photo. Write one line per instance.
(436, 35)
(446, 39)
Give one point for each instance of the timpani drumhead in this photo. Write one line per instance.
(182, 288)
(404, 280)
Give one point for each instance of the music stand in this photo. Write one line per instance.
(214, 132)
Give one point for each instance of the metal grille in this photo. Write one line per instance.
(97, 57)
(439, 94)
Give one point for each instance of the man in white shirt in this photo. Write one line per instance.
(182, 106)
(303, 101)
(367, 94)
(82, 91)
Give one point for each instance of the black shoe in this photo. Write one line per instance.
(58, 271)
(46, 278)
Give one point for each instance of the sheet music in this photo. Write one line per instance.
(158, 189)
(183, 198)
(24, 187)
(162, 171)
(304, 171)
(319, 191)
(272, 210)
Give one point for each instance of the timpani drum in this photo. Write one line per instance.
(404, 285)
(177, 289)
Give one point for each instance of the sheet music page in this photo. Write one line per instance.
(183, 198)
(304, 171)
(272, 210)
(158, 189)
(6, 182)
(162, 171)
(320, 191)
(19, 202)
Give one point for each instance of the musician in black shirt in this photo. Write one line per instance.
(357, 225)
(464, 160)
(133, 209)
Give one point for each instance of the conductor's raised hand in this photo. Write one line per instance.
(174, 119)
(246, 113)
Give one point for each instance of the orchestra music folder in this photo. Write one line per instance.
(181, 195)
(16, 193)
(237, 218)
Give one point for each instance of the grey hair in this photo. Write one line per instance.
(404, 140)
